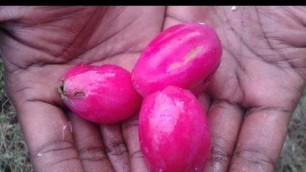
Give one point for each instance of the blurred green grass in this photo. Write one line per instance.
(13, 152)
(14, 155)
(293, 156)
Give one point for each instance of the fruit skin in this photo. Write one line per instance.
(183, 55)
(173, 131)
(101, 94)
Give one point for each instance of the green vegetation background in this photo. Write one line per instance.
(14, 156)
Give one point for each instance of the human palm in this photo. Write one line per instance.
(250, 98)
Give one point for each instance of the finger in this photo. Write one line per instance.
(49, 140)
(225, 120)
(131, 137)
(115, 146)
(89, 143)
(205, 101)
(260, 140)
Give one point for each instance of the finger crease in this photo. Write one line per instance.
(266, 108)
(136, 154)
(52, 147)
(65, 160)
(255, 157)
(218, 154)
(116, 149)
(92, 154)
(218, 151)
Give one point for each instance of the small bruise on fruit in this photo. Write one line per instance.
(186, 59)
(79, 94)
(64, 94)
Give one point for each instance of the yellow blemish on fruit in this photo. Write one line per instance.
(163, 107)
(190, 56)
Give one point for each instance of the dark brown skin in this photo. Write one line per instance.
(251, 97)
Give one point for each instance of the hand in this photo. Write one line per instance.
(39, 48)
(251, 97)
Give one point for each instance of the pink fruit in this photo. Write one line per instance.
(173, 131)
(183, 55)
(101, 94)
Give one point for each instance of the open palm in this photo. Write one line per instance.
(250, 98)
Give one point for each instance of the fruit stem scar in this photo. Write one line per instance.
(187, 58)
(61, 90)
